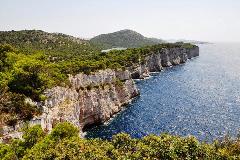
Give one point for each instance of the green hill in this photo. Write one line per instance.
(54, 44)
(124, 38)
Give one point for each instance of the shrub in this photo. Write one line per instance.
(32, 135)
(63, 130)
(63, 143)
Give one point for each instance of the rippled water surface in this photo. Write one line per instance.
(201, 98)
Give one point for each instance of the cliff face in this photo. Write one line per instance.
(155, 62)
(90, 99)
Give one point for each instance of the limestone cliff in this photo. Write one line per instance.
(90, 99)
(165, 57)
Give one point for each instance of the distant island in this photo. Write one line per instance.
(125, 39)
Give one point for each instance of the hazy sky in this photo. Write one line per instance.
(207, 20)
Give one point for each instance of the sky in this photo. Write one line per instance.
(204, 20)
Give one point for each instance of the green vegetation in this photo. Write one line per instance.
(124, 38)
(22, 76)
(55, 45)
(64, 143)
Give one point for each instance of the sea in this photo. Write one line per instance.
(199, 98)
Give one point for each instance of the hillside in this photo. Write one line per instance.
(53, 44)
(124, 38)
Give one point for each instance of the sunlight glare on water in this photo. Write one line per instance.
(200, 98)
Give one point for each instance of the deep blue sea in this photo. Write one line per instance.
(200, 98)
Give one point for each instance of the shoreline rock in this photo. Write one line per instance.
(155, 62)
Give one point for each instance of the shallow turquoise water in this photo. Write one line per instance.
(200, 98)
